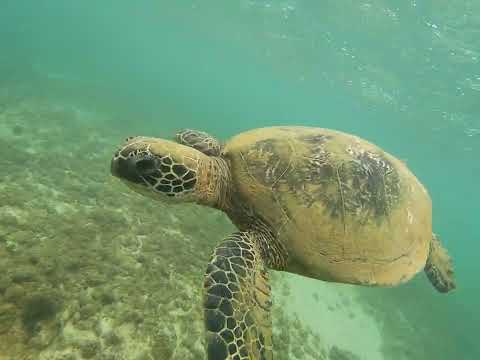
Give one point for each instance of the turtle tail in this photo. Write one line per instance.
(439, 267)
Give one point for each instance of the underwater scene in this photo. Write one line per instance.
(239, 180)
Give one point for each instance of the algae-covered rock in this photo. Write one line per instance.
(7, 317)
(89, 348)
(11, 246)
(67, 356)
(106, 296)
(44, 334)
(22, 275)
(21, 238)
(111, 338)
(162, 346)
(88, 310)
(40, 306)
(131, 316)
(4, 284)
(14, 293)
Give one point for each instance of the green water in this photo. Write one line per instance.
(402, 74)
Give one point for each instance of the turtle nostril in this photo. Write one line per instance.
(146, 166)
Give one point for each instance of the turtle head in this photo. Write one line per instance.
(166, 170)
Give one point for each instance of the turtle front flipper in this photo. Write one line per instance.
(237, 301)
(439, 268)
(200, 140)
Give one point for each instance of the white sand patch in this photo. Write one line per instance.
(333, 312)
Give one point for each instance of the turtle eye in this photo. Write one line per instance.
(146, 166)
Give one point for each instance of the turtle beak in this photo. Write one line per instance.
(126, 169)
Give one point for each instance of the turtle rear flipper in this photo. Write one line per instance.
(200, 140)
(237, 301)
(439, 267)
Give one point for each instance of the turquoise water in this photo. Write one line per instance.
(402, 74)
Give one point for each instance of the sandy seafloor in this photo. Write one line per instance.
(90, 270)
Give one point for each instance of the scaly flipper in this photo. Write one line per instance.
(439, 267)
(200, 140)
(237, 300)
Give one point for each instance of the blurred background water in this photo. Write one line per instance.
(402, 74)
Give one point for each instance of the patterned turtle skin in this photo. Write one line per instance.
(315, 202)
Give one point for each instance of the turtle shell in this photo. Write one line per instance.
(345, 210)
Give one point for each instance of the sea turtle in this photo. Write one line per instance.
(310, 201)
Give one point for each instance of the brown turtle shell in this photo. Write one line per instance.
(345, 210)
